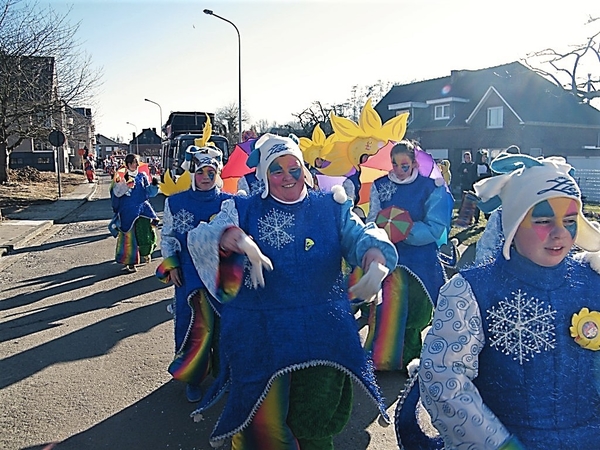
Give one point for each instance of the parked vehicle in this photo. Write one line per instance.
(181, 130)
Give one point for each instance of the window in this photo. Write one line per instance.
(442, 112)
(495, 117)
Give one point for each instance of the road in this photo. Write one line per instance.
(84, 349)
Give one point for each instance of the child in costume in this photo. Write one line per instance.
(137, 220)
(195, 327)
(511, 359)
(290, 348)
(409, 292)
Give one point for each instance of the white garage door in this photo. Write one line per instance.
(584, 162)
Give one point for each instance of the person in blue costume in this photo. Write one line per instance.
(290, 347)
(136, 219)
(196, 324)
(511, 360)
(250, 184)
(409, 293)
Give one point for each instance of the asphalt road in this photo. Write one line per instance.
(84, 349)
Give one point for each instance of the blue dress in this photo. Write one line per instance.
(302, 317)
(500, 360)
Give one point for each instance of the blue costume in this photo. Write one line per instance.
(268, 333)
(409, 293)
(193, 312)
(250, 184)
(500, 361)
(130, 202)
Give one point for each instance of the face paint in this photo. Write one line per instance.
(548, 231)
(205, 178)
(547, 214)
(402, 166)
(286, 178)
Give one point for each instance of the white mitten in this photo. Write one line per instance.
(257, 260)
(370, 283)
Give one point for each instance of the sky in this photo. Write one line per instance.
(295, 52)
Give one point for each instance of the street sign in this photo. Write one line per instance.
(56, 138)
(81, 152)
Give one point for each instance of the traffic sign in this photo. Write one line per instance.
(56, 138)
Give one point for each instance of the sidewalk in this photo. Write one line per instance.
(20, 227)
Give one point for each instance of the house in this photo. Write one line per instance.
(147, 144)
(106, 147)
(492, 109)
(33, 87)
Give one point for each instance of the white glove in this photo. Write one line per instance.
(257, 261)
(370, 284)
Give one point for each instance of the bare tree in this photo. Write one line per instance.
(228, 115)
(42, 70)
(576, 69)
(316, 113)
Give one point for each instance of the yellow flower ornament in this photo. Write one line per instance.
(586, 329)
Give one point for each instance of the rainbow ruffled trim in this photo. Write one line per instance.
(230, 276)
(127, 250)
(387, 323)
(162, 271)
(193, 363)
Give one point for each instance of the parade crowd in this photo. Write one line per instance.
(269, 283)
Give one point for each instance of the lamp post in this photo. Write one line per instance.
(160, 111)
(210, 13)
(137, 140)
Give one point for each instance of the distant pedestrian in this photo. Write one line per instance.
(136, 219)
(89, 170)
(483, 171)
(468, 172)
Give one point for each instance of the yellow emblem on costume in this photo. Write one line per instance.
(586, 329)
(308, 244)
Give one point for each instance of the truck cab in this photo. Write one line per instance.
(174, 150)
(181, 130)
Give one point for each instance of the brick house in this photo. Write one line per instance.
(492, 109)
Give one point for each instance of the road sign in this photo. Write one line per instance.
(56, 138)
(81, 152)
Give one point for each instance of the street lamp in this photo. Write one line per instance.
(160, 111)
(137, 147)
(210, 13)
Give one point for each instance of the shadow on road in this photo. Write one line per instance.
(89, 342)
(46, 317)
(162, 421)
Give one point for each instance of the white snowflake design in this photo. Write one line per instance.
(183, 221)
(386, 191)
(271, 228)
(257, 187)
(522, 327)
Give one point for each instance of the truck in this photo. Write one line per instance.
(181, 130)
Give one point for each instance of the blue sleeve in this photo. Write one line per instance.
(357, 238)
(436, 223)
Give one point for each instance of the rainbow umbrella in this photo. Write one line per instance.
(396, 222)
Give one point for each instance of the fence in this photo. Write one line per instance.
(589, 183)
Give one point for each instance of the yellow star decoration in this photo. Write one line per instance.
(586, 329)
(350, 141)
